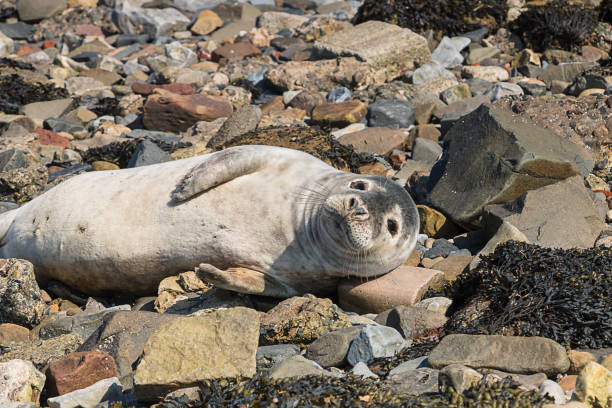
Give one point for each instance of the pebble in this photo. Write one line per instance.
(392, 114)
(553, 390)
(430, 71)
(374, 342)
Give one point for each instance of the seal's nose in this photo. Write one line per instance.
(356, 207)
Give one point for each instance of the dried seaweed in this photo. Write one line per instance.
(605, 11)
(15, 92)
(526, 290)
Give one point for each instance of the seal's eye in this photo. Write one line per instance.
(359, 185)
(392, 226)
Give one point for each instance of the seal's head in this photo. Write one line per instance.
(374, 220)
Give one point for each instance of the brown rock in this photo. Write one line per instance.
(376, 169)
(78, 370)
(375, 140)
(452, 266)
(578, 359)
(339, 114)
(411, 322)
(206, 22)
(435, 224)
(402, 286)
(176, 113)
(103, 165)
(568, 382)
(235, 51)
(12, 333)
(273, 105)
(143, 88)
(414, 259)
(307, 100)
(427, 131)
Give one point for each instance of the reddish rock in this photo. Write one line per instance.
(235, 51)
(78, 370)
(25, 50)
(177, 113)
(427, 131)
(339, 114)
(10, 333)
(568, 382)
(307, 100)
(142, 88)
(48, 44)
(375, 140)
(47, 137)
(88, 30)
(273, 105)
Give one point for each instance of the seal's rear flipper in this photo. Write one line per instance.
(243, 280)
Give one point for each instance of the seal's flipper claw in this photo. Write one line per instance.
(243, 280)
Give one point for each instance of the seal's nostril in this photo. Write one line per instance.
(352, 202)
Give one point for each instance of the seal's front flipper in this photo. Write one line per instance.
(244, 280)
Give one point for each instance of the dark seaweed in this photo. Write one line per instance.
(15, 92)
(605, 11)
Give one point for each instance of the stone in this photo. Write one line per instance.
(522, 355)
(476, 55)
(268, 356)
(47, 109)
(76, 371)
(341, 94)
(456, 93)
(392, 114)
(425, 150)
(506, 232)
(502, 89)
(568, 383)
(375, 140)
(147, 153)
(330, 349)
(452, 266)
(6, 45)
(440, 248)
(435, 224)
(296, 366)
(607, 362)
(553, 390)
(579, 359)
(374, 342)
(436, 304)
(220, 343)
(34, 10)
(413, 382)
(238, 123)
(21, 301)
(429, 71)
(176, 113)
(13, 333)
(22, 175)
(459, 377)
(81, 85)
(308, 100)
(16, 31)
(235, 51)
(107, 77)
(339, 114)
(572, 222)
(565, 72)
(451, 114)
(179, 55)
(275, 21)
(447, 54)
(527, 157)
(594, 383)
(103, 390)
(491, 74)
(206, 22)
(158, 22)
(386, 47)
(382, 293)
(419, 362)
(361, 369)
(301, 320)
(142, 88)
(20, 381)
(41, 352)
(411, 322)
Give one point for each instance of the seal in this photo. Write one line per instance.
(252, 219)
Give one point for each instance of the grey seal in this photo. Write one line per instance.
(252, 219)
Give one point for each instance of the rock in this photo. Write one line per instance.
(434, 223)
(206, 22)
(158, 22)
(34, 10)
(239, 122)
(430, 71)
(440, 248)
(179, 55)
(235, 51)
(171, 361)
(528, 157)
(553, 390)
(413, 382)
(275, 21)
(435, 304)
(382, 293)
(307, 100)
(386, 47)
(459, 377)
(375, 140)
(296, 366)
(81, 85)
(301, 320)
(21, 301)
(568, 383)
(456, 93)
(503, 89)
(452, 266)
(339, 114)
(176, 113)
(374, 342)
(579, 359)
(505, 232)
(6, 45)
(450, 114)
(411, 322)
(361, 369)
(565, 72)
(491, 74)
(392, 114)
(476, 55)
(522, 355)
(12, 333)
(572, 222)
(103, 390)
(594, 383)
(20, 381)
(22, 175)
(419, 362)
(425, 150)
(447, 54)
(268, 356)
(142, 88)
(78, 370)
(330, 349)
(41, 352)
(47, 109)
(341, 94)
(147, 153)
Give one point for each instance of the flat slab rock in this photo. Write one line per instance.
(521, 355)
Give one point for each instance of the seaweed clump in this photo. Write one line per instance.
(452, 17)
(556, 24)
(605, 11)
(15, 92)
(526, 290)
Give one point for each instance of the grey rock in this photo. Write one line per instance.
(16, 31)
(296, 366)
(63, 125)
(41, 352)
(159, 22)
(420, 362)
(275, 21)
(588, 81)
(476, 35)
(446, 53)
(429, 71)
(392, 114)
(34, 10)
(553, 390)
(413, 382)
(81, 325)
(441, 247)
(195, 5)
(341, 94)
(361, 369)
(411, 321)
(67, 157)
(517, 156)
(458, 377)
(532, 89)
(148, 153)
(330, 349)
(82, 85)
(179, 55)
(521, 355)
(153, 135)
(479, 54)
(460, 42)
(268, 356)
(436, 304)
(426, 150)
(103, 390)
(565, 72)
(238, 123)
(478, 86)
(21, 300)
(374, 342)
(529, 381)
(47, 109)
(561, 215)
(452, 113)
(503, 89)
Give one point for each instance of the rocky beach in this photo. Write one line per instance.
(494, 115)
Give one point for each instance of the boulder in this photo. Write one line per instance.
(34, 10)
(268, 356)
(594, 383)
(239, 122)
(296, 366)
(103, 390)
(21, 300)
(22, 175)
(20, 381)
(375, 140)
(13, 333)
(507, 154)
(411, 322)
(41, 352)
(330, 349)
(78, 370)
(413, 382)
(374, 342)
